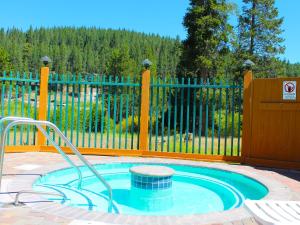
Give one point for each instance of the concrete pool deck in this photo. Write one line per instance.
(22, 169)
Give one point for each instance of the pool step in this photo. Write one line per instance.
(80, 198)
(71, 177)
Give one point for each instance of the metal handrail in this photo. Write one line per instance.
(64, 155)
(17, 202)
(39, 124)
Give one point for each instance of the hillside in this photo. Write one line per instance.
(89, 50)
(93, 50)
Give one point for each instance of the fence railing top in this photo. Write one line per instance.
(19, 79)
(22, 77)
(99, 80)
(196, 85)
(96, 83)
(129, 81)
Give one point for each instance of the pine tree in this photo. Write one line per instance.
(120, 62)
(4, 61)
(208, 36)
(4, 65)
(260, 29)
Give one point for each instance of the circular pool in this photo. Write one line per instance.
(194, 190)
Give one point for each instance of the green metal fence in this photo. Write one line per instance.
(20, 97)
(195, 116)
(186, 115)
(96, 111)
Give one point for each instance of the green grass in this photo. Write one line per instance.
(94, 141)
(198, 145)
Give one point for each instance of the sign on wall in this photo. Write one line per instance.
(289, 90)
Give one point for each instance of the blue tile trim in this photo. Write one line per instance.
(151, 183)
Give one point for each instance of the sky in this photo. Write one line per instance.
(163, 17)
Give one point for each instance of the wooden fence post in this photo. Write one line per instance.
(43, 102)
(247, 110)
(144, 118)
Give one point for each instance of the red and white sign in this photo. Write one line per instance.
(289, 90)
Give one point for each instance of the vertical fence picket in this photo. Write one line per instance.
(127, 111)
(187, 117)
(213, 118)
(28, 107)
(175, 116)
(232, 118)
(67, 106)
(9, 104)
(35, 106)
(78, 110)
(55, 102)
(96, 114)
(90, 111)
(226, 118)
(72, 107)
(200, 117)
(102, 110)
(133, 116)
(22, 108)
(108, 112)
(156, 114)
(219, 118)
(169, 117)
(151, 113)
(16, 107)
(115, 111)
(163, 114)
(121, 113)
(181, 113)
(61, 107)
(194, 116)
(49, 106)
(84, 112)
(206, 116)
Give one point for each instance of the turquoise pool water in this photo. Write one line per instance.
(195, 190)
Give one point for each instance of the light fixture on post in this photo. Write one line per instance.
(147, 63)
(46, 60)
(248, 64)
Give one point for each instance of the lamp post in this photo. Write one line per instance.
(144, 113)
(46, 60)
(43, 101)
(147, 63)
(247, 109)
(248, 64)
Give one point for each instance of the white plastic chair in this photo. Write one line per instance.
(275, 212)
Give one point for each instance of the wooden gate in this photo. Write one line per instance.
(271, 126)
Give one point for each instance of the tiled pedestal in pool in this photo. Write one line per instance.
(151, 187)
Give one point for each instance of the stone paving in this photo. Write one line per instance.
(21, 169)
